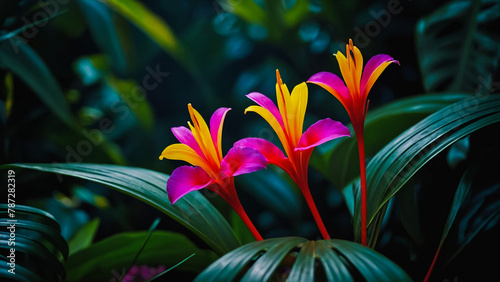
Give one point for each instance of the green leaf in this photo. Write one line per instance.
(338, 160)
(399, 160)
(107, 33)
(140, 107)
(109, 258)
(21, 273)
(84, 236)
(151, 24)
(271, 259)
(245, 9)
(457, 45)
(168, 270)
(138, 253)
(460, 195)
(477, 215)
(407, 200)
(37, 240)
(193, 210)
(17, 56)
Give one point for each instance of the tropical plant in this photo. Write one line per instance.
(89, 90)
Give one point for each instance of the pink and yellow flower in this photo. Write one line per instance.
(201, 147)
(354, 97)
(287, 120)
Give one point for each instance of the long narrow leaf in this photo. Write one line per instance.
(397, 162)
(338, 160)
(29, 67)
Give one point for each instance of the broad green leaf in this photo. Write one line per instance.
(39, 246)
(193, 210)
(33, 220)
(84, 236)
(338, 160)
(272, 258)
(457, 46)
(22, 60)
(110, 257)
(399, 160)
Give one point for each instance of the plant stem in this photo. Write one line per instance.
(432, 265)
(362, 172)
(228, 193)
(243, 215)
(312, 206)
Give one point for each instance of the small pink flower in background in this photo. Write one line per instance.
(201, 147)
(141, 273)
(287, 121)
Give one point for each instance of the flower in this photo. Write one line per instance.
(201, 147)
(359, 83)
(353, 95)
(143, 273)
(287, 121)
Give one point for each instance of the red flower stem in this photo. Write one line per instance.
(228, 193)
(362, 171)
(312, 206)
(427, 277)
(243, 215)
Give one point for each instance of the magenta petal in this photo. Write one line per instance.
(322, 131)
(216, 122)
(185, 136)
(242, 160)
(272, 153)
(372, 65)
(330, 81)
(185, 179)
(267, 104)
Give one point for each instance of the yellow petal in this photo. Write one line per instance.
(359, 67)
(273, 123)
(183, 152)
(283, 100)
(346, 72)
(202, 135)
(298, 111)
